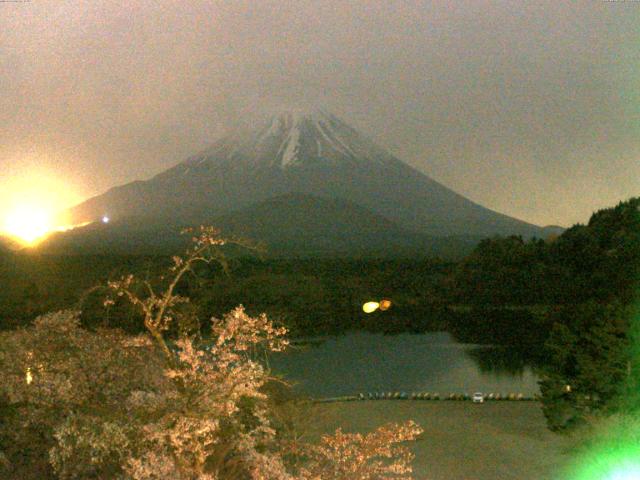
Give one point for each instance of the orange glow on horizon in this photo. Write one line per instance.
(29, 225)
(28, 222)
(30, 206)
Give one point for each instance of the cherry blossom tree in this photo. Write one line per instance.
(103, 404)
(378, 455)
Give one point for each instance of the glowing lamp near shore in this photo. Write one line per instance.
(370, 307)
(385, 305)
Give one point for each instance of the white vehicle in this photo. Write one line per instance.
(478, 397)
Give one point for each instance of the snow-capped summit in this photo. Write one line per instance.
(290, 138)
(310, 152)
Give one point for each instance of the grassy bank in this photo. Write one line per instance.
(506, 440)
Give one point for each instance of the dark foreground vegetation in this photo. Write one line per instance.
(585, 286)
(80, 403)
(312, 296)
(565, 302)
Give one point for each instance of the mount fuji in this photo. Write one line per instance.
(293, 154)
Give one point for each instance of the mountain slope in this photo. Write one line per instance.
(288, 225)
(303, 224)
(311, 153)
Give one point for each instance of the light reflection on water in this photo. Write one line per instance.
(431, 362)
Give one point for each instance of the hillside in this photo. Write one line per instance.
(289, 225)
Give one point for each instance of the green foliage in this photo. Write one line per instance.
(588, 363)
(572, 291)
(603, 257)
(321, 296)
(33, 284)
(504, 271)
(598, 261)
(587, 278)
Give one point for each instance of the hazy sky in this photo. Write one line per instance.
(529, 108)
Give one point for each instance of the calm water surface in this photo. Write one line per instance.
(432, 362)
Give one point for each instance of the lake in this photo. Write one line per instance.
(431, 362)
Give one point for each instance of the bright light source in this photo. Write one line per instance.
(624, 472)
(29, 377)
(616, 457)
(32, 202)
(370, 307)
(385, 305)
(105, 219)
(28, 222)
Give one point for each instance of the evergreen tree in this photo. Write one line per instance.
(588, 363)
